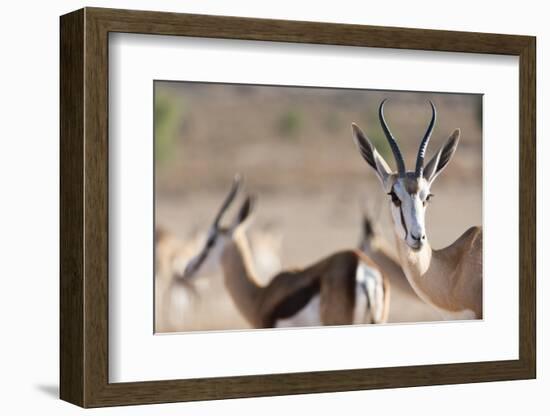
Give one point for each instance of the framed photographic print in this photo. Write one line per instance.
(255, 207)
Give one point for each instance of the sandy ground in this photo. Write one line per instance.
(304, 224)
(313, 226)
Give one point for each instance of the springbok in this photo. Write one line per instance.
(173, 300)
(182, 305)
(449, 279)
(405, 305)
(343, 288)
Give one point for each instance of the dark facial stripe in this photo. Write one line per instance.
(400, 206)
(403, 221)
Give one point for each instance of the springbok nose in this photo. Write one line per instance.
(418, 238)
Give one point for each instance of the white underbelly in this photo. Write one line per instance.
(309, 315)
(361, 312)
(464, 315)
(369, 302)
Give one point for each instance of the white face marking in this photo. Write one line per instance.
(408, 209)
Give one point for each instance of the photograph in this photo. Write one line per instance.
(301, 206)
(265, 205)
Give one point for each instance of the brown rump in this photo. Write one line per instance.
(290, 291)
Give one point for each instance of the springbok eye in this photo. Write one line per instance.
(395, 199)
(428, 199)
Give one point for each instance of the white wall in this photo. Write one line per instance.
(29, 205)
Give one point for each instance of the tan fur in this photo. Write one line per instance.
(168, 250)
(335, 276)
(167, 247)
(387, 297)
(449, 279)
(405, 298)
(172, 296)
(452, 279)
(179, 303)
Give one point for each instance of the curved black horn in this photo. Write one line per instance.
(424, 143)
(228, 199)
(393, 143)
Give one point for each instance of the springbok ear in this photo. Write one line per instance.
(370, 154)
(244, 214)
(442, 158)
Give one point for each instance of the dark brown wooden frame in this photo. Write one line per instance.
(84, 207)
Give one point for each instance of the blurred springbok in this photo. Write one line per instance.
(449, 279)
(343, 288)
(174, 301)
(182, 304)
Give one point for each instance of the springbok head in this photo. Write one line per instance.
(409, 190)
(208, 258)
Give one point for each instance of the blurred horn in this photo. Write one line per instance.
(391, 140)
(424, 143)
(228, 199)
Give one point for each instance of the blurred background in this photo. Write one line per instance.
(293, 145)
